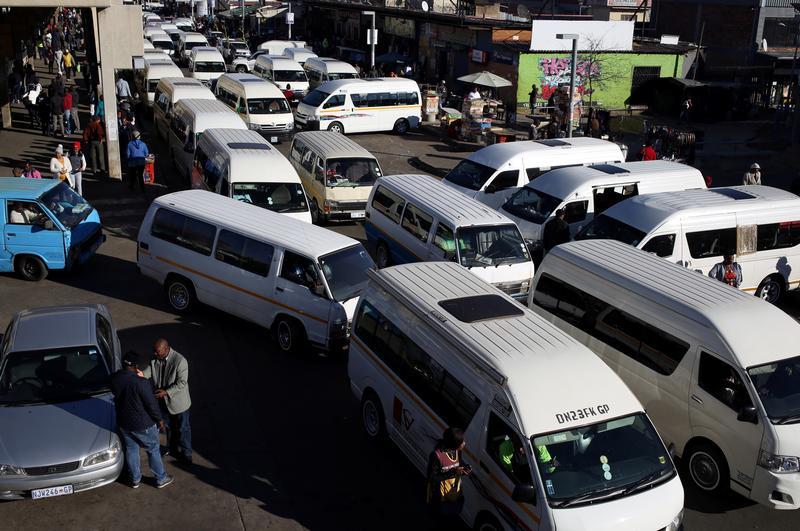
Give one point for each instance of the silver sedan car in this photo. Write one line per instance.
(56, 411)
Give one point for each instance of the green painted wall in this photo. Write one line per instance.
(612, 74)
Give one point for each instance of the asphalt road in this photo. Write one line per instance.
(277, 439)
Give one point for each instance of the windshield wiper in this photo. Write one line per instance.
(592, 495)
(644, 482)
(791, 419)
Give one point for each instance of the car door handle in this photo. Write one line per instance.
(486, 468)
(279, 288)
(697, 399)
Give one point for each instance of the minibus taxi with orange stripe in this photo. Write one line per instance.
(554, 438)
(300, 281)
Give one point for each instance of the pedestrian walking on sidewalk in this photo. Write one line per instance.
(68, 112)
(31, 172)
(169, 372)
(69, 63)
(94, 135)
(60, 166)
(138, 419)
(76, 121)
(43, 110)
(78, 163)
(753, 175)
(136, 153)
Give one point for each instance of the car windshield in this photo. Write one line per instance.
(210, 66)
(470, 175)
(164, 45)
(315, 98)
(607, 228)
(491, 246)
(278, 197)
(297, 76)
(531, 205)
(55, 375)
(346, 271)
(778, 387)
(268, 106)
(341, 75)
(601, 461)
(351, 172)
(66, 205)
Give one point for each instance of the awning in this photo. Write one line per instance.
(236, 12)
(269, 12)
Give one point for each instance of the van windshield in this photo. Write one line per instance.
(469, 175)
(531, 205)
(267, 106)
(152, 84)
(315, 98)
(602, 461)
(164, 45)
(66, 205)
(209, 66)
(296, 76)
(346, 272)
(351, 172)
(491, 246)
(278, 197)
(607, 228)
(189, 45)
(332, 76)
(778, 387)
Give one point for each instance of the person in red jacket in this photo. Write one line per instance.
(647, 152)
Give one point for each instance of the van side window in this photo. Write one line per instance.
(778, 235)
(445, 240)
(299, 270)
(505, 447)
(417, 222)
(178, 127)
(505, 180)
(193, 234)
(105, 340)
(334, 101)
(25, 213)
(445, 395)
(709, 243)
(319, 171)
(605, 198)
(722, 382)
(662, 245)
(575, 211)
(359, 100)
(244, 253)
(409, 98)
(533, 173)
(308, 161)
(643, 342)
(224, 188)
(298, 150)
(388, 203)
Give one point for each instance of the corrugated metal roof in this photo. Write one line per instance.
(292, 234)
(453, 207)
(332, 145)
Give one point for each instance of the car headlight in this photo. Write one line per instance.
(11, 470)
(781, 464)
(524, 286)
(675, 525)
(101, 457)
(290, 125)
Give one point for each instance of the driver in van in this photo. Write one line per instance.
(20, 214)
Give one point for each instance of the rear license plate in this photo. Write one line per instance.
(356, 215)
(273, 139)
(51, 491)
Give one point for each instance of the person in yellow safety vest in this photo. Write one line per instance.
(544, 457)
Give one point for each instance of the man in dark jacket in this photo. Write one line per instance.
(57, 109)
(556, 231)
(138, 419)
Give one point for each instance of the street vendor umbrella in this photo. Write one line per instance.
(485, 79)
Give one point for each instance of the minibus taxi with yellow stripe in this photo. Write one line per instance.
(300, 281)
(361, 105)
(554, 438)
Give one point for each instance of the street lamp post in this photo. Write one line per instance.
(290, 20)
(573, 63)
(372, 38)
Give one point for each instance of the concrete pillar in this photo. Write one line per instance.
(105, 41)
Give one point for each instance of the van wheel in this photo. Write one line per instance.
(289, 335)
(486, 522)
(382, 255)
(241, 69)
(336, 127)
(770, 289)
(316, 217)
(707, 468)
(401, 126)
(180, 294)
(372, 419)
(31, 268)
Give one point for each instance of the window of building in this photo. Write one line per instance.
(388, 203)
(417, 222)
(244, 253)
(182, 230)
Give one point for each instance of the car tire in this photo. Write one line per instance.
(289, 335)
(180, 294)
(401, 126)
(241, 69)
(373, 421)
(316, 218)
(771, 289)
(487, 522)
(382, 258)
(31, 268)
(336, 127)
(707, 468)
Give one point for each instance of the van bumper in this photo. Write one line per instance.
(81, 253)
(281, 136)
(308, 125)
(779, 491)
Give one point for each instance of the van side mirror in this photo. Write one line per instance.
(748, 414)
(524, 494)
(490, 189)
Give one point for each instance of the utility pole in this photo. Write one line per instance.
(290, 19)
(574, 38)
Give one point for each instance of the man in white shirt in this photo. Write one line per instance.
(123, 89)
(20, 215)
(474, 95)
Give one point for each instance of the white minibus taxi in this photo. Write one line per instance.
(362, 105)
(697, 228)
(154, 71)
(169, 91)
(189, 40)
(493, 173)
(415, 218)
(726, 396)
(586, 191)
(190, 117)
(242, 165)
(300, 281)
(285, 73)
(184, 24)
(300, 55)
(259, 103)
(162, 41)
(554, 439)
(323, 69)
(337, 174)
(275, 47)
(206, 64)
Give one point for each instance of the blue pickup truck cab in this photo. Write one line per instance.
(45, 225)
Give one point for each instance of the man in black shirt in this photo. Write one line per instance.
(556, 231)
(138, 419)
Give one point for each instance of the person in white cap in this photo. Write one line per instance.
(60, 166)
(753, 175)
